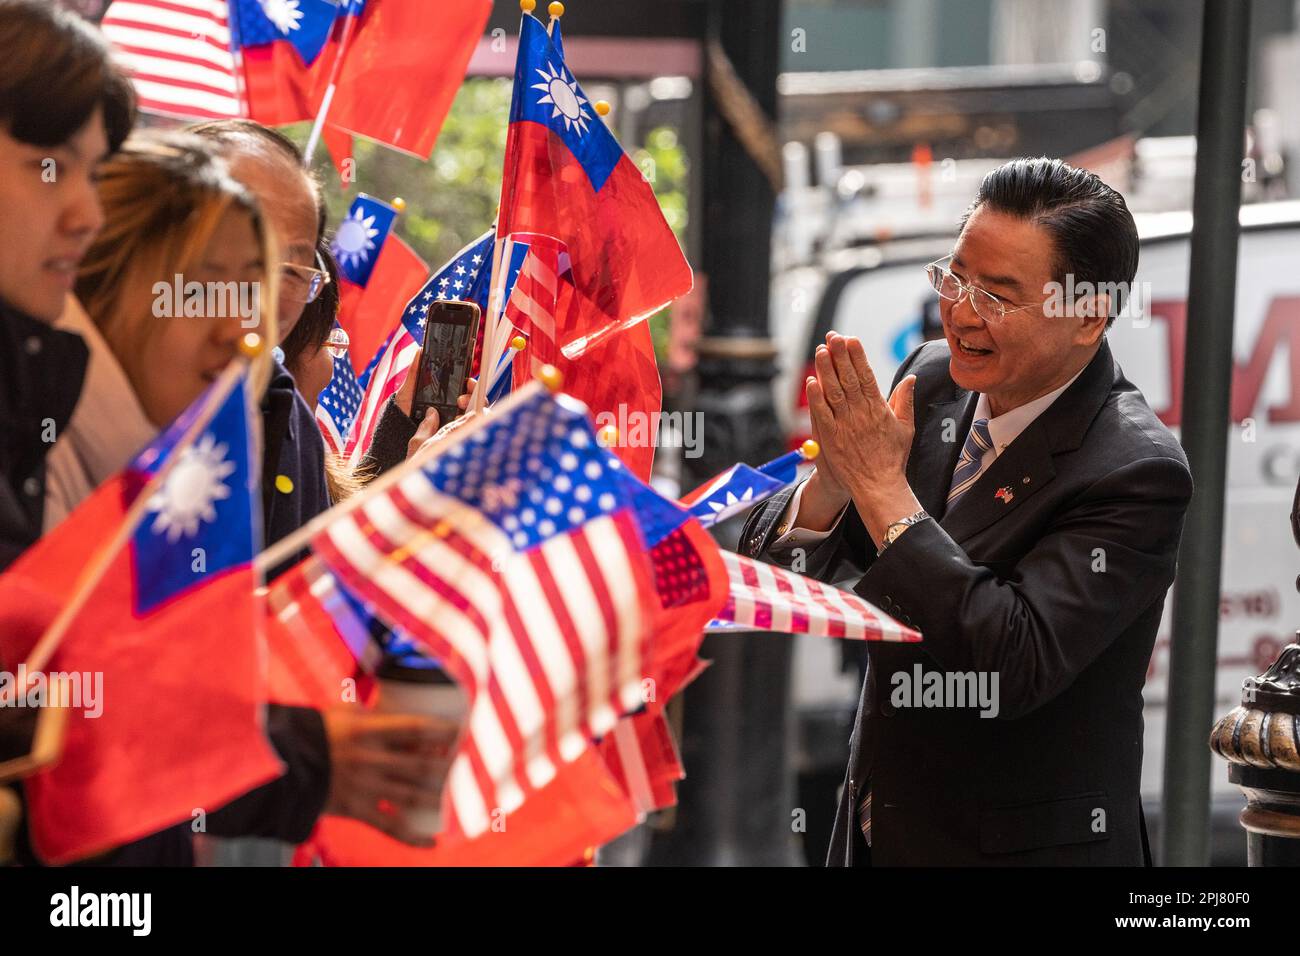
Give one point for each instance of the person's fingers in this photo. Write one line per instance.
(858, 357)
(827, 378)
(903, 401)
(823, 419)
(417, 769)
(463, 402)
(426, 430)
(848, 375)
(406, 392)
(399, 730)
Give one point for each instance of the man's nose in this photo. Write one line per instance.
(962, 313)
(83, 214)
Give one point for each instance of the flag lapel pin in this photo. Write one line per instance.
(1004, 494)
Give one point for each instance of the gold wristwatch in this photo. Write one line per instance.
(896, 528)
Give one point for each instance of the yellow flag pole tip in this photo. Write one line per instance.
(250, 346)
(810, 449)
(518, 343)
(602, 107)
(555, 9)
(399, 204)
(551, 377)
(608, 436)
(527, 6)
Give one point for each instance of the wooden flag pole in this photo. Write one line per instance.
(335, 68)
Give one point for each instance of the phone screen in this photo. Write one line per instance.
(445, 358)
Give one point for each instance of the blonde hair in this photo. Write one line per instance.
(164, 195)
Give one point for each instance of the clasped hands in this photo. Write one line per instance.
(865, 441)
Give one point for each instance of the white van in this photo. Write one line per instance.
(879, 294)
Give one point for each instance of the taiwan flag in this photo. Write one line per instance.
(151, 586)
(566, 177)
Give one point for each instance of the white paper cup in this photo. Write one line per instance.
(426, 691)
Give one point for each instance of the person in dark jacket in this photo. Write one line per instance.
(63, 111)
(1019, 504)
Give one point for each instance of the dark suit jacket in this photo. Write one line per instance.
(1056, 587)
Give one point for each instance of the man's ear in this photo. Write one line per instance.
(1091, 313)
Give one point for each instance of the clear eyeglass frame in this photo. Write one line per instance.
(986, 305)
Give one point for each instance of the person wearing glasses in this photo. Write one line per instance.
(1017, 502)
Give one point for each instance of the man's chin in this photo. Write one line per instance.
(967, 378)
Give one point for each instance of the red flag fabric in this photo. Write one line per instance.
(567, 178)
(402, 69)
(537, 599)
(582, 807)
(170, 638)
(315, 640)
(369, 314)
(642, 757)
(399, 74)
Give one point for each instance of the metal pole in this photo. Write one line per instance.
(1207, 380)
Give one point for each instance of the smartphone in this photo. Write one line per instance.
(450, 334)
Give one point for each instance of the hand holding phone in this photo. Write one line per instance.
(450, 333)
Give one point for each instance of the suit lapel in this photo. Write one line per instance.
(1015, 475)
(1026, 465)
(934, 453)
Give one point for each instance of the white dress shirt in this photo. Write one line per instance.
(1003, 429)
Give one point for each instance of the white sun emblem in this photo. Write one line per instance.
(565, 96)
(192, 487)
(353, 242)
(732, 501)
(283, 13)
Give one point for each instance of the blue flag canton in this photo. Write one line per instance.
(360, 237)
(304, 23)
(547, 93)
(466, 277)
(203, 519)
(539, 471)
(342, 397)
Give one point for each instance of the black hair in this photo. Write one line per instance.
(1093, 232)
(311, 331)
(57, 71)
(231, 131)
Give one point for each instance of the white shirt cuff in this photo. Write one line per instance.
(796, 537)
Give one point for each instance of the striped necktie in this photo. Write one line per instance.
(972, 454)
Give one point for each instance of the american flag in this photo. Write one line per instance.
(337, 405)
(515, 555)
(178, 54)
(317, 636)
(767, 598)
(467, 276)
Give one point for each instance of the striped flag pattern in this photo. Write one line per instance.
(642, 757)
(316, 637)
(178, 55)
(337, 405)
(515, 556)
(767, 598)
(466, 277)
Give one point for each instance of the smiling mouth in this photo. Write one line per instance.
(967, 349)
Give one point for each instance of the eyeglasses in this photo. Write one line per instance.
(304, 283)
(986, 305)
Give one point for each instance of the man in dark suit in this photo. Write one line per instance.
(1016, 501)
